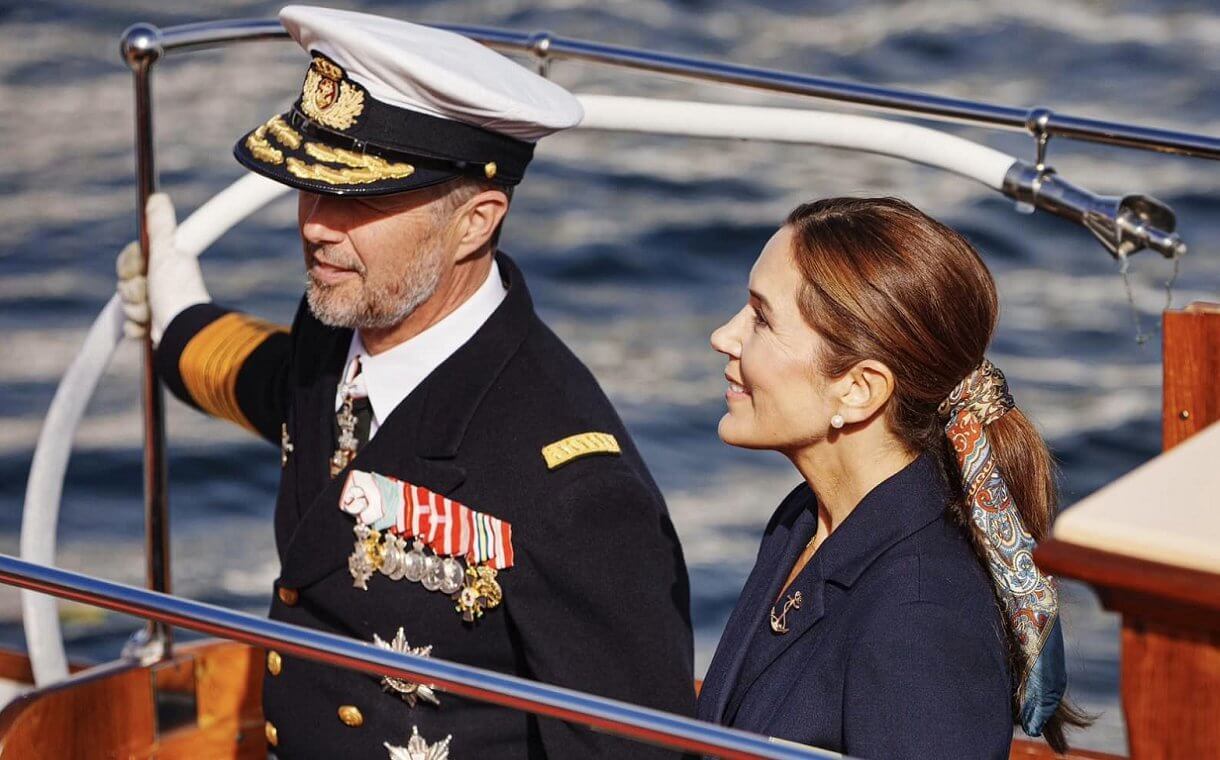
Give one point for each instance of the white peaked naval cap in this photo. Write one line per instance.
(435, 72)
(389, 106)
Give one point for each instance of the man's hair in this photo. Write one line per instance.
(457, 191)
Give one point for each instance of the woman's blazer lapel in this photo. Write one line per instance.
(893, 510)
(775, 558)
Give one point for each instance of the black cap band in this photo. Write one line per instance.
(338, 139)
(434, 143)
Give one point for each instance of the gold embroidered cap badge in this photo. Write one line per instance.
(328, 97)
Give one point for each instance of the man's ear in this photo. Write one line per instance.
(478, 220)
(864, 389)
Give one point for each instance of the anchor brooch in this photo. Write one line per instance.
(779, 623)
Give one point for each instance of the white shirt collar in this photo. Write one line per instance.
(389, 377)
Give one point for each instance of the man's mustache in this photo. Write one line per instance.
(337, 258)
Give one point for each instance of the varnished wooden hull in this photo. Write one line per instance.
(207, 700)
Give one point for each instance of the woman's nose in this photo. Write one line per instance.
(725, 339)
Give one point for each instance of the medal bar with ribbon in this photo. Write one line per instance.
(388, 512)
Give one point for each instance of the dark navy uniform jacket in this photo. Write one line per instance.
(597, 599)
(898, 649)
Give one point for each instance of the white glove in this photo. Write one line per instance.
(174, 282)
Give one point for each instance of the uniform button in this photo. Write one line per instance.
(273, 736)
(274, 663)
(289, 596)
(351, 716)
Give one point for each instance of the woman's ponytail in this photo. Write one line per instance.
(1029, 472)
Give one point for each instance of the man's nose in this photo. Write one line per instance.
(320, 220)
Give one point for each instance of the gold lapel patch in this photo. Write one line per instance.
(560, 453)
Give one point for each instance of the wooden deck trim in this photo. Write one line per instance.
(1026, 749)
(109, 710)
(15, 666)
(1129, 584)
(1191, 361)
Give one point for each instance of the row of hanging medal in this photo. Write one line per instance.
(389, 512)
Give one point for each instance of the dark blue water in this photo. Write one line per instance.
(636, 247)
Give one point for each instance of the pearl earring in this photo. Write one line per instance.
(836, 421)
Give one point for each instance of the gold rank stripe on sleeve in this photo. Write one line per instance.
(211, 361)
(560, 453)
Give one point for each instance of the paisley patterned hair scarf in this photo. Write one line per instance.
(1028, 596)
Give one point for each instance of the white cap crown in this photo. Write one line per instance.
(435, 72)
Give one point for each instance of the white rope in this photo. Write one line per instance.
(44, 488)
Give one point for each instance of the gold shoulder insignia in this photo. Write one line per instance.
(560, 453)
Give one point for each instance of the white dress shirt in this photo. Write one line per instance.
(390, 376)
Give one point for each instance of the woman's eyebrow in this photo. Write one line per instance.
(762, 300)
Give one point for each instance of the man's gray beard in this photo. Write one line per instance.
(379, 305)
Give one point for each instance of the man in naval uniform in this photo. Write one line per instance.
(416, 360)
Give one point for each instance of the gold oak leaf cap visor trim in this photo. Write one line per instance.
(387, 106)
(296, 151)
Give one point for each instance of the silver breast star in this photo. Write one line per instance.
(418, 749)
(408, 690)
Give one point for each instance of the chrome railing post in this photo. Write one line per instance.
(141, 47)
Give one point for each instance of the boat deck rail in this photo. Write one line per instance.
(599, 713)
(143, 41)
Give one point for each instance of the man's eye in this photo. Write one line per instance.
(370, 204)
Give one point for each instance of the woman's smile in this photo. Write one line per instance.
(736, 390)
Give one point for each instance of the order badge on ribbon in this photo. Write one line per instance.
(390, 512)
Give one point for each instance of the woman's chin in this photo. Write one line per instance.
(734, 432)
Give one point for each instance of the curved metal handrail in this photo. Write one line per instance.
(631, 721)
(144, 40)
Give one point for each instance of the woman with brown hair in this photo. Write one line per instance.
(894, 609)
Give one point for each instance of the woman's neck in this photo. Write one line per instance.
(842, 469)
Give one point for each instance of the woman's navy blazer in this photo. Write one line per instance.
(898, 649)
